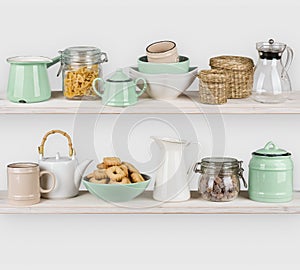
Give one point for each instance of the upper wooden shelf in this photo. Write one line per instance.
(187, 103)
(86, 203)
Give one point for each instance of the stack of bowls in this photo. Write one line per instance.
(167, 74)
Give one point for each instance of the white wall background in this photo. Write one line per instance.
(123, 29)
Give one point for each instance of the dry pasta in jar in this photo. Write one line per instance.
(80, 66)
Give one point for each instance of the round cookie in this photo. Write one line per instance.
(115, 173)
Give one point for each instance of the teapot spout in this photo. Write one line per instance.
(79, 171)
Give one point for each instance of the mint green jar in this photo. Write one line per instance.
(271, 175)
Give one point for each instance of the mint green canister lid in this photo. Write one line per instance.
(271, 158)
(271, 150)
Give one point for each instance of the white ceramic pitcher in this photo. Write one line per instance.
(172, 179)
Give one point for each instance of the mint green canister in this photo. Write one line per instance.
(271, 175)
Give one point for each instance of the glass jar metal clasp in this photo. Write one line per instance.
(241, 170)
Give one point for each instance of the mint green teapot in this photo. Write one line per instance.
(119, 89)
(271, 175)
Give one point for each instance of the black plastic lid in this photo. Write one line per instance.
(270, 55)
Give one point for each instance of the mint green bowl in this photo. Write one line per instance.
(164, 68)
(117, 192)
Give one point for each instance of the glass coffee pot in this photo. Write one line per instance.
(271, 80)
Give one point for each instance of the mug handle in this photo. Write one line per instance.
(94, 86)
(53, 181)
(144, 87)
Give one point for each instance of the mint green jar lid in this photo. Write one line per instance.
(271, 150)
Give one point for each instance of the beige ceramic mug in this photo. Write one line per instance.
(162, 52)
(24, 186)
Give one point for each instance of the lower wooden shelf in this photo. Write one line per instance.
(85, 203)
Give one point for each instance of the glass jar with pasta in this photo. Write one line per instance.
(79, 67)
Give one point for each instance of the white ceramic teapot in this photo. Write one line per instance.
(67, 171)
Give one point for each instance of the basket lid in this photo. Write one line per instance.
(231, 62)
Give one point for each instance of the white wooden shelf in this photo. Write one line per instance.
(86, 203)
(187, 103)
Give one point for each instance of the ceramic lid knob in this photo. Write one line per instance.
(119, 76)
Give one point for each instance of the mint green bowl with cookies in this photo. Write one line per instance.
(117, 192)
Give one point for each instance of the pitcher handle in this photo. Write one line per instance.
(194, 167)
(144, 87)
(94, 86)
(289, 58)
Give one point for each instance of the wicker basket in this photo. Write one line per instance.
(240, 74)
(213, 86)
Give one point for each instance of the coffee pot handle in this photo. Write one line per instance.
(95, 88)
(144, 87)
(53, 181)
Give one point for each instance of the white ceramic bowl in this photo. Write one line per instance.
(166, 86)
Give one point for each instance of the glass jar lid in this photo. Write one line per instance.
(82, 55)
(222, 163)
(271, 150)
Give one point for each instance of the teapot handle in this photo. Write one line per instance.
(144, 87)
(41, 147)
(95, 88)
(54, 61)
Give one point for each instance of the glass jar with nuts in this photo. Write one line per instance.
(79, 67)
(219, 178)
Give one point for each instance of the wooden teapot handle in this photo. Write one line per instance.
(41, 147)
